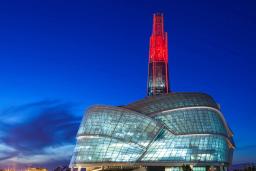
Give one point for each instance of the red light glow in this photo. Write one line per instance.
(158, 40)
(158, 79)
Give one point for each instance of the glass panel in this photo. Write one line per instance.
(200, 120)
(189, 148)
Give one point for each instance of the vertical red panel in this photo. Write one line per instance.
(158, 79)
(158, 40)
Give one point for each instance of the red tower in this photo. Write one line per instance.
(158, 79)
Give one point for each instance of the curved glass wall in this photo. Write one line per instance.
(169, 101)
(104, 149)
(190, 148)
(164, 129)
(120, 124)
(189, 121)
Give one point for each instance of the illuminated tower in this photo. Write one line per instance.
(158, 79)
(157, 133)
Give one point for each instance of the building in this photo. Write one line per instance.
(36, 169)
(164, 131)
(62, 168)
(158, 80)
(243, 167)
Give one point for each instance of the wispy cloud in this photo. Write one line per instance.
(48, 154)
(40, 132)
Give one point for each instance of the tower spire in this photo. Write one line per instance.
(158, 78)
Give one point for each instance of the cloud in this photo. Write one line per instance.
(21, 113)
(45, 132)
(6, 152)
(57, 153)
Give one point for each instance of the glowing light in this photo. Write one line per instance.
(158, 79)
(158, 40)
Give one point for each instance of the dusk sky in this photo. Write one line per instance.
(57, 58)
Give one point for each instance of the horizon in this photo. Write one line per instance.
(58, 58)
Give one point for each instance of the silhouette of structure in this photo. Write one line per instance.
(164, 131)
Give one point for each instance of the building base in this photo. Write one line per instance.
(152, 168)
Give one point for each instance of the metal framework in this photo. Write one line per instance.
(158, 79)
(162, 130)
(132, 135)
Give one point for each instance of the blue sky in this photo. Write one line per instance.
(59, 57)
